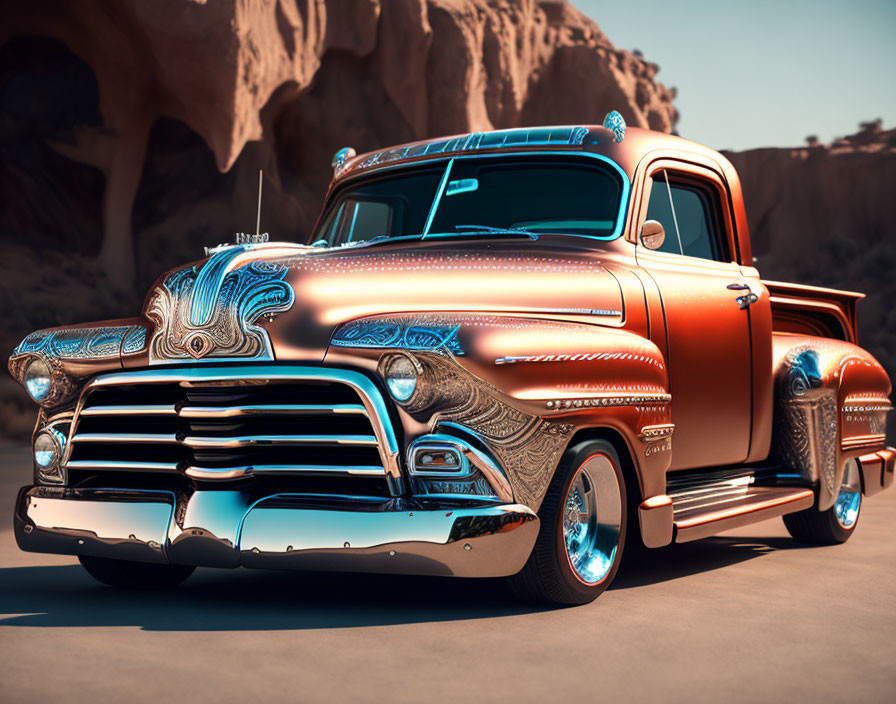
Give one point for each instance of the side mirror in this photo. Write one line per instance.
(652, 235)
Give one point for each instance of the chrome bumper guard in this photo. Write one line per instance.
(231, 529)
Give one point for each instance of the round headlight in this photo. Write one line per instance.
(49, 448)
(38, 380)
(46, 450)
(401, 378)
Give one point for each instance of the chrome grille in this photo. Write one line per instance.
(224, 423)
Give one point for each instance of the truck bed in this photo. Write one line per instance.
(813, 310)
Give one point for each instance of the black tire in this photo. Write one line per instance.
(825, 527)
(548, 576)
(818, 527)
(134, 575)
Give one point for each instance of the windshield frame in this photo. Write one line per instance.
(447, 160)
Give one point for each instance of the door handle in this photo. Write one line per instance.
(748, 299)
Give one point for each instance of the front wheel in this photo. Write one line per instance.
(125, 573)
(583, 519)
(836, 524)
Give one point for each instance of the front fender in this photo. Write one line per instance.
(525, 386)
(76, 352)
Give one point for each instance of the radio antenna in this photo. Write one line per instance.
(258, 218)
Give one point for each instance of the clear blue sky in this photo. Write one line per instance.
(755, 73)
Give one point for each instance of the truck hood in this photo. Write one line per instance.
(283, 301)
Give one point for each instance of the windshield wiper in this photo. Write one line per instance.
(489, 230)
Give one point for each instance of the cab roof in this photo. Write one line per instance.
(627, 152)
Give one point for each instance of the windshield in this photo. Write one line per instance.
(536, 194)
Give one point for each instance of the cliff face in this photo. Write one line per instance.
(824, 215)
(132, 131)
(302, 78)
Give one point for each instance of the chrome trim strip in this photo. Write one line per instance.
(236, 472)
(130, 410)
(862, 442)
(225, 411)
(782, 497)
(125, 437)
(270, 409)
(199, 441)
(254, 440)
(123, 466)
(600, 400)
(370, 395)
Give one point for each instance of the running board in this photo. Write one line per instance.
(708, 503)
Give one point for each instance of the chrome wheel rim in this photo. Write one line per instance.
(592, 519)
(849, 500)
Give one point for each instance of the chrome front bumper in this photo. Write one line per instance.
(231, 529)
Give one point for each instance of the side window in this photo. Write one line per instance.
(357, 220)
(690, 217)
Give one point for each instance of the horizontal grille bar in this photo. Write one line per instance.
(269, 409)
(226, 442)
(123, 466)
(224, 411)
(251, 440)
(234, 472)
(144, 410)
(220, 423)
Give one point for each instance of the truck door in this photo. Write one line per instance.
(706, 301)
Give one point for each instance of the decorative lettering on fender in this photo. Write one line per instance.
(664, 445)
(658, 438)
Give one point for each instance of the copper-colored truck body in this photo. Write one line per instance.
(702, 378)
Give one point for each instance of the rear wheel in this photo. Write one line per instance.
(583, 519)
(837, 523)
(125, 573)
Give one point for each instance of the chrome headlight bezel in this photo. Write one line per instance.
(37, 378)
(59, 386)
(401, 373)
(53, 439)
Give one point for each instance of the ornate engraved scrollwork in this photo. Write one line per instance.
(805, 430)
(528, 447)
(215, 311)
(83, 343)
(386, 333)
(56, 347)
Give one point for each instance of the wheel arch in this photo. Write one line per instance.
(831, 402)
(624, 451)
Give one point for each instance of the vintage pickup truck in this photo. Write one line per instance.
(501, 354)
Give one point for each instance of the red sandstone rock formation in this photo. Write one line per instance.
(324, 73)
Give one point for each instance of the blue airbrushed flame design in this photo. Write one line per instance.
(399, 334)
(84, 343)
(208, 284)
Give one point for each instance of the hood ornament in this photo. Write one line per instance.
(246, 238)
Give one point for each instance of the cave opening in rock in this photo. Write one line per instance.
(181, 204)
(46, 199)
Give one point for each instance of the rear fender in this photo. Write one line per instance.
(832, 400)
